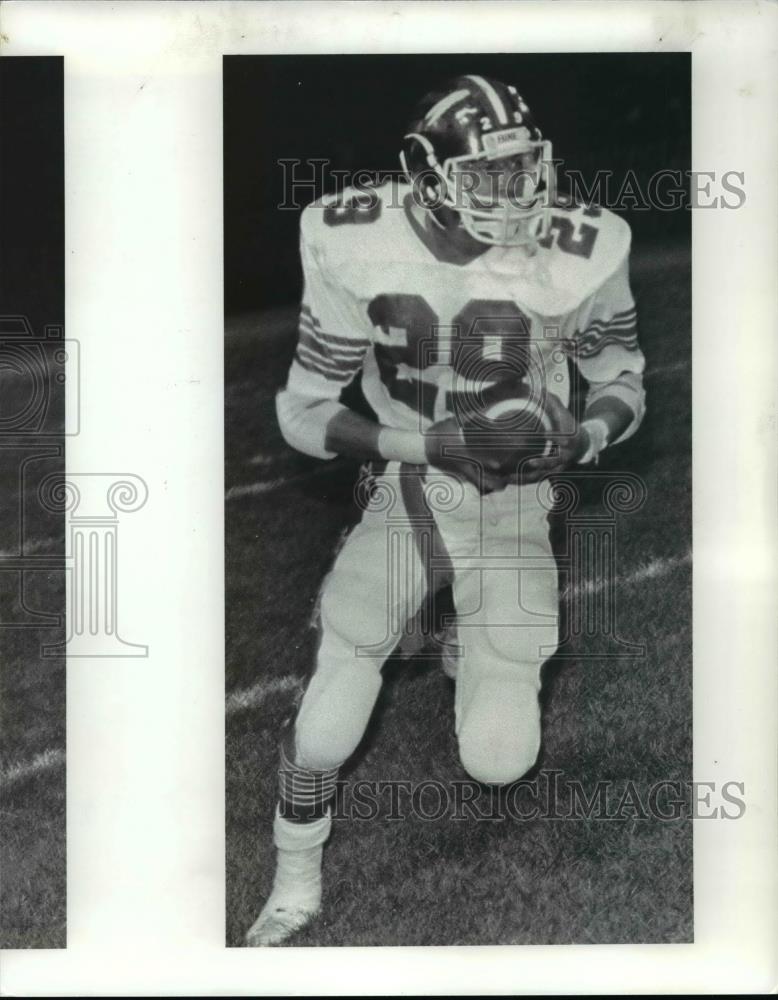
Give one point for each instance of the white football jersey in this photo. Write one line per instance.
(382, 297)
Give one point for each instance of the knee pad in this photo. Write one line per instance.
(518, 621)
(499, 733)
(356, 616)
(521, 645)
(335, 708)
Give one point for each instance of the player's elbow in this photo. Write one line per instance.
(303, 422)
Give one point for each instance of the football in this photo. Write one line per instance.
(508, 425)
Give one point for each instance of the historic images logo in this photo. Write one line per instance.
(40, 409)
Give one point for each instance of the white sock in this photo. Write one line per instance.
(296, 895)
(289, 836)
(299, 854)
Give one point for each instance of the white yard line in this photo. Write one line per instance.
(254, 489)
(238, 701)
(254, 696)
(22, 770)
(657, 567)
(269, 485)
(650, 571)
(675, 369)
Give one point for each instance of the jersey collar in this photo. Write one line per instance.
(444, 250)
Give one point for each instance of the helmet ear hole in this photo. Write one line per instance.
(422, 170)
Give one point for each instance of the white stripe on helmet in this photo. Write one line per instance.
(494, 97)
(443, 105)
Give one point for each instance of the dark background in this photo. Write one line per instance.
(620, 112)
(32, 186)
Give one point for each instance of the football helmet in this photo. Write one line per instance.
(474, 148)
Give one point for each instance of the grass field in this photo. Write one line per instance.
(443, 882)
(32, 693)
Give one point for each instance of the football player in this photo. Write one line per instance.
(465, 285)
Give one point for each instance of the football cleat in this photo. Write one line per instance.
(476, 159)
(294, 901)
(296, 896)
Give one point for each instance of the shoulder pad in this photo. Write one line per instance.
(348, 222)
(594, 236)
(349, 207)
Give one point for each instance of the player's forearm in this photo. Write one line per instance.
(349, 433)
(303, 421)
(614, 411)
(324, 428)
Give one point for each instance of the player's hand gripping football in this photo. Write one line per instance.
(490, 469)
(444, 443)
(570, 444)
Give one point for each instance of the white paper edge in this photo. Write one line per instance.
(144, 299)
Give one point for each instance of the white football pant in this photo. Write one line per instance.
(416, 530)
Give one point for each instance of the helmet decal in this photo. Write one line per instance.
(444, 104)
